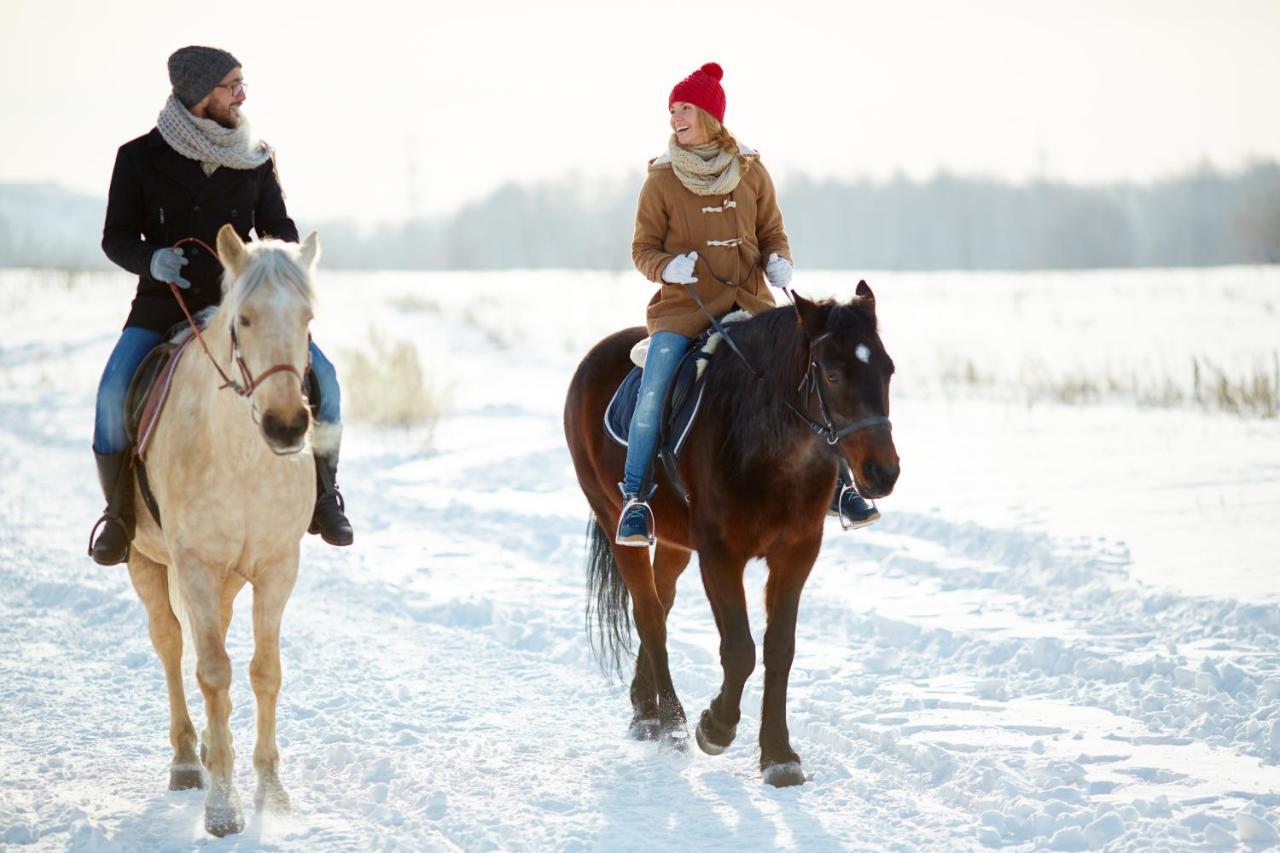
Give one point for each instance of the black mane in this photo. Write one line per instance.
(758, 422)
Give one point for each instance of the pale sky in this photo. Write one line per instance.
(381, 108)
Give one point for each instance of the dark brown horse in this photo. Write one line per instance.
(760, 467)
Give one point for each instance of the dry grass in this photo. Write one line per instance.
(384, 385)
(1253, 393)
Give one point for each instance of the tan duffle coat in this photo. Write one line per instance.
(732, 234)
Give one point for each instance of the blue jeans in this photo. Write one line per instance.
(109, 433)
(665, 352)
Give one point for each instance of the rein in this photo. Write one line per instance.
(250, 383)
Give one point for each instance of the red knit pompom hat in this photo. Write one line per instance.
(702, 89)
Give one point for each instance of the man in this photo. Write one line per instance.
(198, 169)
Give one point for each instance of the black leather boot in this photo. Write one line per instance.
(329, 518)
(115, 475)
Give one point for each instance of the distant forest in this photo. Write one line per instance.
(1204, 217)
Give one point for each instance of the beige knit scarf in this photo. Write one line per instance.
(706, 169)
(208, 142)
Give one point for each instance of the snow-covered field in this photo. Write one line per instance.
(1064, 634)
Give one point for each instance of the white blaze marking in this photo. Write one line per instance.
(863, 354)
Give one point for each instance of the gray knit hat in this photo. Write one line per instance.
(194, 71)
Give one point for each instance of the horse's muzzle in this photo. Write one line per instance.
(286, 436)
(877, 477)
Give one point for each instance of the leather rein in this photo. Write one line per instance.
(827, 430)
(249, 383)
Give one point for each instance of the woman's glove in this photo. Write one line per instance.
(680, 269)
(778, 270)
(167, 264)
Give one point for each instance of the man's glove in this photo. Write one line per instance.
(680, 269)
(778, 270)
(167, 264)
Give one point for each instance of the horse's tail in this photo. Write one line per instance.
(179, 606)
(608, 603)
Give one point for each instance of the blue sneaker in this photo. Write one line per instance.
(850, 508)
(635, 525)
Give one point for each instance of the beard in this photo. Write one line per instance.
(223, 116)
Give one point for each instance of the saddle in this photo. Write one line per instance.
(684, 398)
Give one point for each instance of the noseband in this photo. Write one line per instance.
(827, 430)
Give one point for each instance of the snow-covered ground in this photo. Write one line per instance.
(1064, 634)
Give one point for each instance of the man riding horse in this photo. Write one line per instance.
(198, 169)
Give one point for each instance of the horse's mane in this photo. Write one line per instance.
(270, 261)
(757, 419)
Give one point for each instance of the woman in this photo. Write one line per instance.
(708, 221)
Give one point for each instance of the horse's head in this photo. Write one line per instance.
(267, 302)
(847, 389)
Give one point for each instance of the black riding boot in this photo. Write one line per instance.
(117, 522)
(329, 518)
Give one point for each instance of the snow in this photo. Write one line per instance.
(1062, 635)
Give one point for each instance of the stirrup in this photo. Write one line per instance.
(633, 540)
(847, 523)
(100, 524)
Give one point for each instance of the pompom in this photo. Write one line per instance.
(713, 70)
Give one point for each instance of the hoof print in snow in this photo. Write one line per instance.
(645, 728)
(784, 775)
(713, 739)
(185, 777)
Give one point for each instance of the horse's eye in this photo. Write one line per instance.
(244, 321)
(833, 378)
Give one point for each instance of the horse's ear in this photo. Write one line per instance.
(812, 317)
(868, 299)
(310, 250)
(231, 250)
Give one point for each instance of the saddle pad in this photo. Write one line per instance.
(686, 398)
(149, 391)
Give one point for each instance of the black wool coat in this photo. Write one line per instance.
(158, 197)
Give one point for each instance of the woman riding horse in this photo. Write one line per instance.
(708, 220)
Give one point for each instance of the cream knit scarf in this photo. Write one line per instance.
(705, 170)
(208, 142)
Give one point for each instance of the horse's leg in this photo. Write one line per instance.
(668, 564)
(152, 585)
(226, 606)
(722, 580)
(651, 625)
(270, 593)
(203, 591)
(788, 570)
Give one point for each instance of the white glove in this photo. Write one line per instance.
(680, 269)
(778, 270)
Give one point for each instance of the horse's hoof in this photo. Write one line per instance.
(184, 777)
(784, 774)
(272, 798)
(676, 739)
(645, 728)
(713, 739)
(223, 820)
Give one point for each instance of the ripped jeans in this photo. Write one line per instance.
(665, 351)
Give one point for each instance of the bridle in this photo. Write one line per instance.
(249, 383)
(827, 430)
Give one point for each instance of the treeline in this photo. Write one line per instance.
(1202, 218)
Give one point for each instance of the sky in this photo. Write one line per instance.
(379, 110)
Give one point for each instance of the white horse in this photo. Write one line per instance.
(232, 472)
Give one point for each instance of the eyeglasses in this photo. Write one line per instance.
(236, 88)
